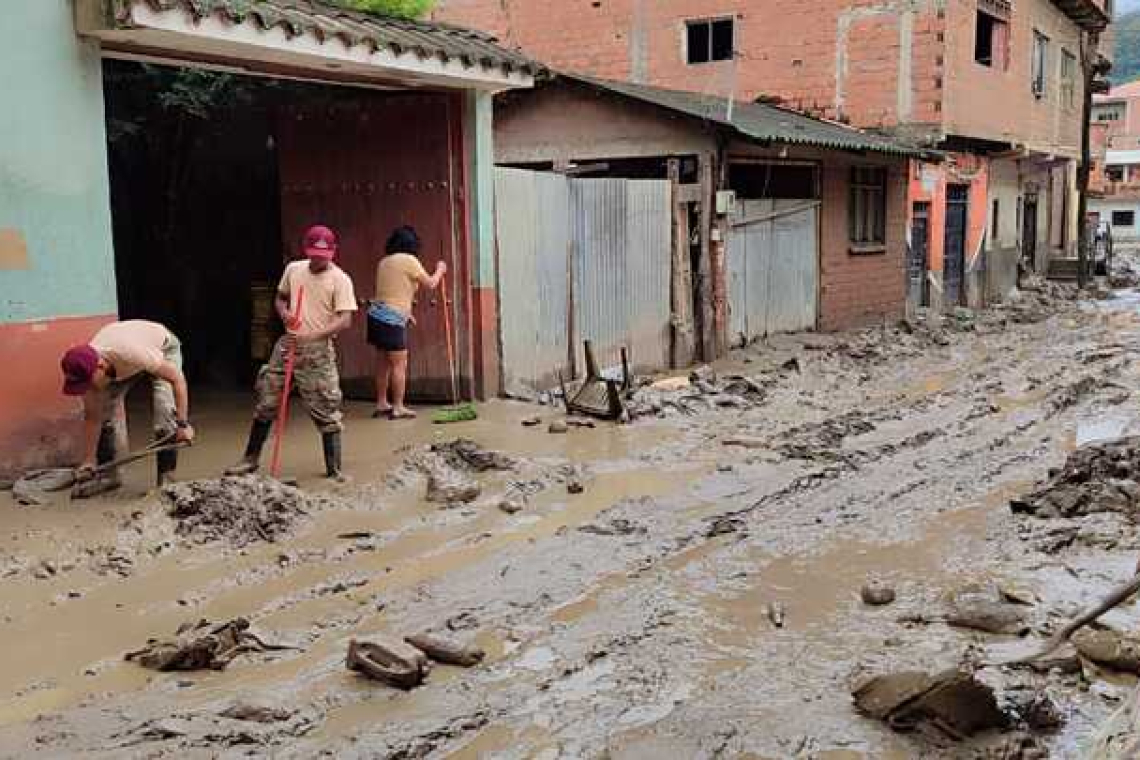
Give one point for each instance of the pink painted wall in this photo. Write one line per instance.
(39, 426)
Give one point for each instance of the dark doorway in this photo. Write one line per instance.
(1029, 232)
(954, 253)
(918, 255)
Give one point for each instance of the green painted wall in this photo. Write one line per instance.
(481, 151)
(54, 188)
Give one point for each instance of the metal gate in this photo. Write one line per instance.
(773, 268)
(356, 167)
(580, 259)
(954, 253)
(917, 254)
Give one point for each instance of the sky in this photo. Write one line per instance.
(1124, 6)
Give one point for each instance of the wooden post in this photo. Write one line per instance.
(682, 349)
(704, 265)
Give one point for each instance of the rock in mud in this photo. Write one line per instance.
(558, 427)
(446, 650)
(777, 612)
(532, 422)
(447, 486)
(511, 504)
(981, 611)
(877, 593)
(255, 713)
(1109, 649)
(575, 486)
(389, 660)
(201, 646)
(241, 510)
(1100, 477)
(953, 700)
(466, 454)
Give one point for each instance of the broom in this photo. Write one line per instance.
(457, 412)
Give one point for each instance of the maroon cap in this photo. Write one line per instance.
(79, 365)
(320, 242)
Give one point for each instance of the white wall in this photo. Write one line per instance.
(1105, 209)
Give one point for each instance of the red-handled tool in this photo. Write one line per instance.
(283, 407)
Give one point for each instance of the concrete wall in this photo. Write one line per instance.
(1003, 239)
(57, 282)
(994, 104)
(1105, 209)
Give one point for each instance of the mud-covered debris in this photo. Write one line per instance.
(1016, 746)
(953, 700)
(981, 610)
(201, 646)
(777, 613)
(1073, 393)
(574, 485)
(557, 427)
(466, 454)
(1099, 477)
(512, 503)
(1034, 708)
(1109, 649)
(448, 486)
(257, 713)
(876, 593)
(618, 526)
(745, 442)
(447, 650)
(388, 659)
(464, 621)
(241, 510)
(531, 421)
(724, 525)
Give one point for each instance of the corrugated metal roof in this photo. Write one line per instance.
(757, 121)
(298, 17)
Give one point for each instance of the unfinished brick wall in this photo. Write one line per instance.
(874, 65)
(864, 289)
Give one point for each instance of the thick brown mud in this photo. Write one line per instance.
(698, 592)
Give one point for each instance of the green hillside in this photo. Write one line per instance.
(1126, 63)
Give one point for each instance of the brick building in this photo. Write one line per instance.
(1118, 114)
(996, 85)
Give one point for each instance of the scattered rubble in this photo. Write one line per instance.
(1100, 477)
(466, 454)
(953, 700)
(201, 646)
(241, 510)
(446, 650)
(389, 660)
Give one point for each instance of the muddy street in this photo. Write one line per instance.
(691, 584)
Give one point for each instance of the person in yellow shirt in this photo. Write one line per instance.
(399, 275)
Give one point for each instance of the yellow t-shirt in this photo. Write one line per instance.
(327, 294)
(398, 277)
(132, 346)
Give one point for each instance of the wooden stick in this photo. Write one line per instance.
(283, 406)
(450, 342)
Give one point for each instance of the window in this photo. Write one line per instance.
(1123, 218)
(1068, 79)
(990, 41)
(1113, 112)
(1040, 58)
(1115, 173)
(707, 41)
(867, 214)
(994, 225)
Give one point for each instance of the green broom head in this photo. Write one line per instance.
(460, 413)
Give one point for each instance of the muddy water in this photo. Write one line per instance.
(640, 636)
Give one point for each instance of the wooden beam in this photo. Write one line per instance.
(682, 348)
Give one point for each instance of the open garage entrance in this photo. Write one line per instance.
(215, 177)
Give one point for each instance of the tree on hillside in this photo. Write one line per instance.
(402, 8)
(1126, 54)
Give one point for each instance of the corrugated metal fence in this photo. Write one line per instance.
(580, 259)
(773, 268)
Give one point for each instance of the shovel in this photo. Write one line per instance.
(457, 412)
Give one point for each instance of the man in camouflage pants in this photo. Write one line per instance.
(315, 300)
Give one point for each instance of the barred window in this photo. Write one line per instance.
(867, 212)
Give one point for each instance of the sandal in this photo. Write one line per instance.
(407, 414)
(381, 413)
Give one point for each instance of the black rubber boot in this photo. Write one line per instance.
(331, 444)
(166, 462)
(258, 434)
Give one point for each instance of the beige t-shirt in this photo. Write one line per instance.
(398, 277)
(132, 346)
(326, 294)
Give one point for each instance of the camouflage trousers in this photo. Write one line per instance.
(113, 441)
(315, 377)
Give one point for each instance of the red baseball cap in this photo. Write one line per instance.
(320, 242)
(79, 365)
